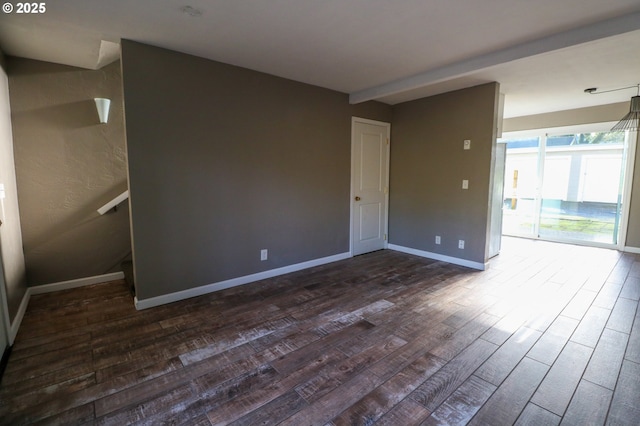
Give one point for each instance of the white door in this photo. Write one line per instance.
(369, 185)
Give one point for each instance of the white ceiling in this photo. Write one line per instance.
(544, 53)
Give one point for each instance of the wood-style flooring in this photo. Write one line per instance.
(548, 335)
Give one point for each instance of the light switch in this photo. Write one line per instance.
(467, 144)
(465, 184)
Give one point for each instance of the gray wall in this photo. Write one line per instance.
(10, 235)
(428, 164)
(68, 165)
(224, 161)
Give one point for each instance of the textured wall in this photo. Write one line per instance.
(10, 235)
(67, 166)
(223, 162)
(428, 164)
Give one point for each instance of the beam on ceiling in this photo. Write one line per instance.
(585, 34)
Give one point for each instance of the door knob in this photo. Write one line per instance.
(358, 198)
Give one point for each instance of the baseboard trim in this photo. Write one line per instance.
(15, 325)
(442, 257)
(629, 249)
(80, 282)
(234, 282)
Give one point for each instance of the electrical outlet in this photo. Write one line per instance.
(467, 144)
(465, 184)
(264, 254)
(437, 239)
(461, 244)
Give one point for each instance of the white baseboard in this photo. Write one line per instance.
(629, 249)
(80, 282)
(17, 321)
(234, 282)
(442, 257)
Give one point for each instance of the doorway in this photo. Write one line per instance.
(568, 186)
(369, 185)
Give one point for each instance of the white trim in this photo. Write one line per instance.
(80, 282)
(15, 325)
(442, 257)
(352, 194)
(630, 249)
(113, 203)
(369, 121)
(234, 282)
(630, 160)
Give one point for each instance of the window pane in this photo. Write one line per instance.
(581, 187)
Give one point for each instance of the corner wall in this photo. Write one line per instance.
(428, 164)
(68, 165)
(224, 162)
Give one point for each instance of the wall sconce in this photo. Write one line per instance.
(102, 104)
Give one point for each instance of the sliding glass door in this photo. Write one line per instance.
(521, 199)
(566, 187)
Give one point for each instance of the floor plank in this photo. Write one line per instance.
(625, 409)
(557, 388)
(604, 366)
(463, 404)
(549, 346)
(532, 415)
(549, 334)
(444, 382)
(506, 404)
(589, 405)
(505, 359)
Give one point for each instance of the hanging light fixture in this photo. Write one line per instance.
(629, 121)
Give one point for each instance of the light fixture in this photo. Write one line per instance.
(629, 121)
(102, 105)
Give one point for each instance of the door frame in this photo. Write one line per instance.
(5, 321)
(355, 120)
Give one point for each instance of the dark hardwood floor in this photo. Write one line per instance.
(550, 334)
